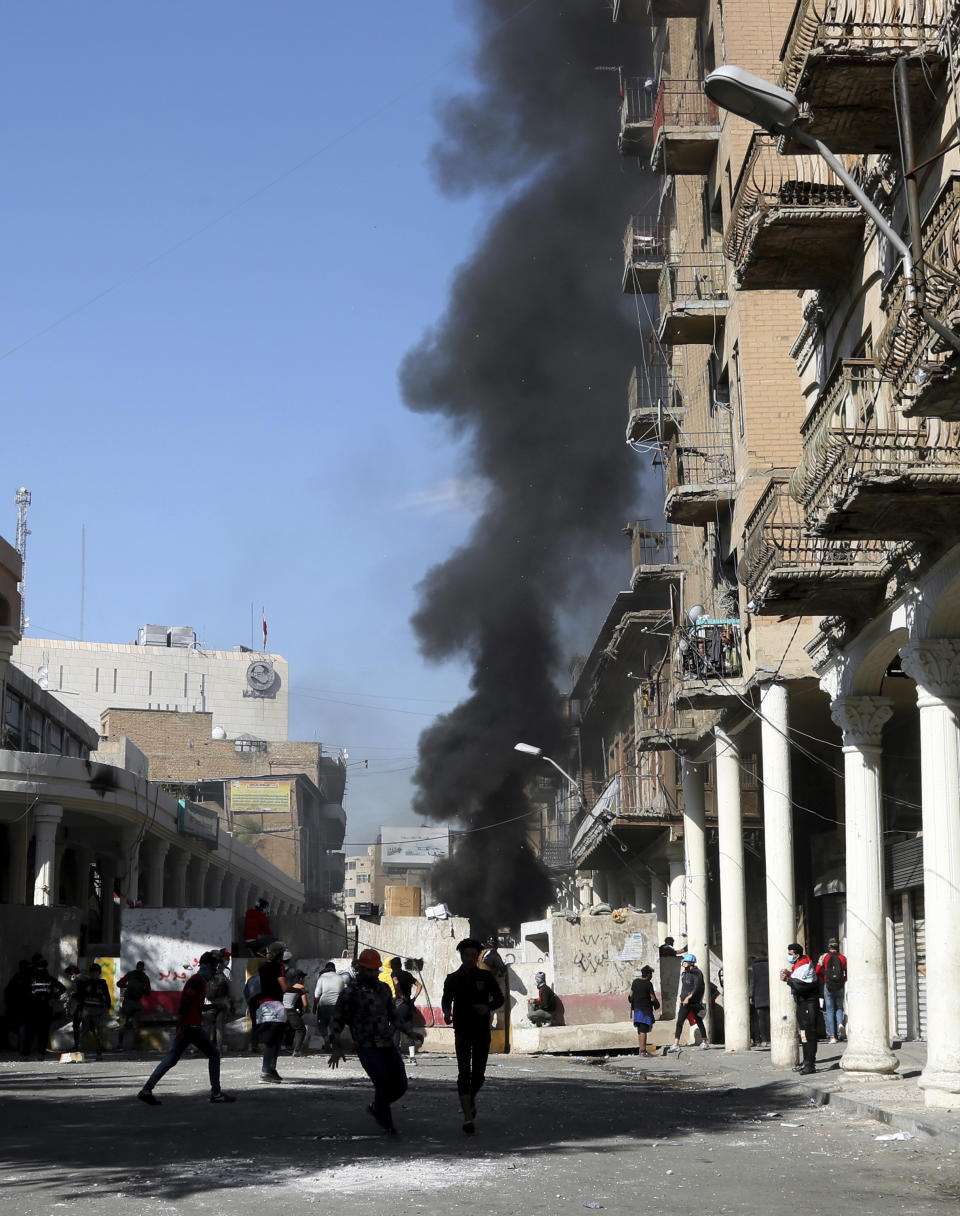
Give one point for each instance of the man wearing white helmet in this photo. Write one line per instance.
(692, 988)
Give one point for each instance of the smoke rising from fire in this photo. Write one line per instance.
(531, 361)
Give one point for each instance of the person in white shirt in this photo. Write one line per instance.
(329, 986)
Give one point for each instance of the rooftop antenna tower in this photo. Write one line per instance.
(22, 499)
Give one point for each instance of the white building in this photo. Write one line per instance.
(247, 691)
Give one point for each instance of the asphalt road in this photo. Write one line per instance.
(554, 1135)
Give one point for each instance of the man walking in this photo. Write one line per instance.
(96, 1006)
(330, 984)
(470, 995)
(190, 1033)
(135, 985)
(366, 1006)
(801, 978)
(832, 970)
(692, 988)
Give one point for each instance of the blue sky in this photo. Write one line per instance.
(220, 236)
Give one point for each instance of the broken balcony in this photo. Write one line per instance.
(789, 571)
(633, 808)
(693, 299)
(793, 224)
(636, 116)
(645, 249)
(654, 412)
(869, 471)
(838, 58)
(686, 128)
(923, 369)
(699, 477)
(655, 554)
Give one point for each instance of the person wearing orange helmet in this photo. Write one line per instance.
(366, 1005)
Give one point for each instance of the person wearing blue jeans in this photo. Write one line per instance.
(190, 1033)
(366, 1005)
(832, 972)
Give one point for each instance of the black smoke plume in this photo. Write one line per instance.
(531, 360)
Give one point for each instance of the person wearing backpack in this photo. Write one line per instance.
(832, 970)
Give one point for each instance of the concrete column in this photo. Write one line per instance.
(83, 862)
(196, 880)
(156, 858)
(676, 896)
(733, 896)
(19, 837)
(935, 665)
(46, 820)
(861, 719)
(59, 850)
(176, 896)
(658, 903)
(778, 857)
(214, 885)
(695, 863)
(131, 841)
(109, 929)
(641, 892)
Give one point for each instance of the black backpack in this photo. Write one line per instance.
(833, 972)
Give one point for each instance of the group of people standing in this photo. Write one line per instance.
(34, 998)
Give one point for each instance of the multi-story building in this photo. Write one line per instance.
(246, 691)
(401, 857)
(83, 832)
(803, 410)
(283, 799)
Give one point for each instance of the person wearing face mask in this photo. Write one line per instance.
(190, 1033)
(801, 978)
(692, 988)
(366, 1006)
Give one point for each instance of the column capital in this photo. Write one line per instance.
(935, 665)
(47, 812)
(862, 719)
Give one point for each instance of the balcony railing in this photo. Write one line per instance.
(685, 128)
(793, 222)
(838, 58)
(654, 553)
(787, 570)
(869, 471)
(699, 477)
(693, 299)
(646, 245)
(636, 116)
(711, 650)
(925, 374)
(653, 413)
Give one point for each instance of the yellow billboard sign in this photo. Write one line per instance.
(256, 797)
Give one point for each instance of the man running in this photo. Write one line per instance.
(470, 995)
(366, 1006)
(190, 1033)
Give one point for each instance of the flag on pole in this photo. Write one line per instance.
(263, 621)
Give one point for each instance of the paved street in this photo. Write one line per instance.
(555, 1134)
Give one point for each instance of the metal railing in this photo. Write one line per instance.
(769, 181)
(692, 277)
(896, 26)
(638, 101)
(776, 538)
(699, 460)
(854, 435)
(650, 387)
(906, 342)
(683, 103)
(645, 240)
(711, 650)
(653, 546)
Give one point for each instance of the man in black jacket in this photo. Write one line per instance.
(469, 997)
(801, 978)
(760, 998)
(692, 988)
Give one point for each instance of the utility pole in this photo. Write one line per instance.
(22, 499)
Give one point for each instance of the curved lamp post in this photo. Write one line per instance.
(529, 750)
(775, 110)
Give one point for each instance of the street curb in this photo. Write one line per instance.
(902, 1120)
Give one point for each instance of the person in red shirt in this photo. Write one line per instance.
(190, 1033)
(257, 933)
(832, 970)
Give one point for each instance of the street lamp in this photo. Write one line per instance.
(530, 750)
(776, 110)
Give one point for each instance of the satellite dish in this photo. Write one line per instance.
(218, 732)
(695, 613)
